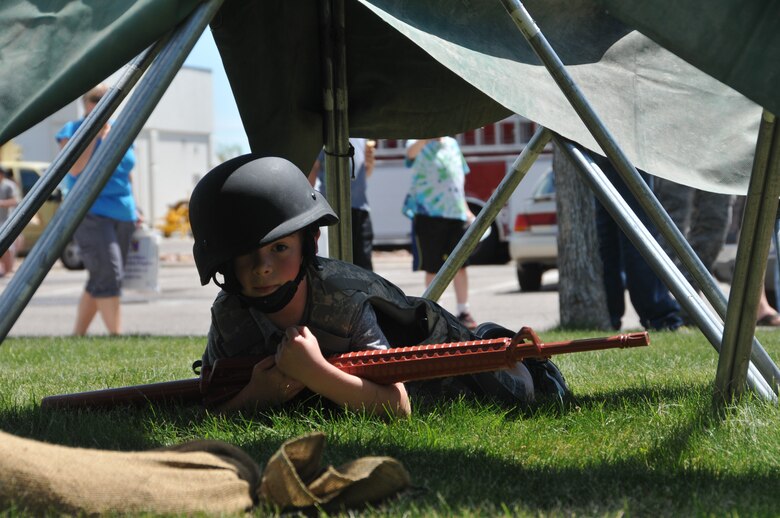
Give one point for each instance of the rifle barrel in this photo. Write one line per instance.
(420, 362)
(594, 344)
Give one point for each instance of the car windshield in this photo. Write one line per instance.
(546, 188)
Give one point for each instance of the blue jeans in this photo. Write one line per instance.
(625, 268)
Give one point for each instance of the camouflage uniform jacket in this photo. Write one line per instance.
(338, 292)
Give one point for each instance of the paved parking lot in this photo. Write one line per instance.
(182, 306)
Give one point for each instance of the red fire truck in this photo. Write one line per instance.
(490, 152)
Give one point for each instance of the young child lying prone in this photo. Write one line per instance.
(255, 221)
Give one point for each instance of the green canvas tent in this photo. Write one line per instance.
(419, 68)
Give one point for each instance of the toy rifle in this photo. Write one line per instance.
(400, 364)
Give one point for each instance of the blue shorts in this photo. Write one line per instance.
(103, 246)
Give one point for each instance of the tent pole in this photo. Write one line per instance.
(336, 126)
(631, 177)
(145, 97)
(776, 272)
(76, 145)
(488, 214)
(752, 253)
(647, 245)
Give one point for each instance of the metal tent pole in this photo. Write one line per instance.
(630, 175)
(336, 126)
(776, 272)
(647, 245)
(488, 214)
(76, 145)
(99, 169)
(752, 253)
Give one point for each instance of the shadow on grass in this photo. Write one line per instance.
(651, 482)
(129, 427)
(121, 428)
(604, 488)
(633, 396)
(611, 400)
(465, 479)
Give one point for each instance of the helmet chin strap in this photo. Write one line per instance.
(282, 296)
(277, 300)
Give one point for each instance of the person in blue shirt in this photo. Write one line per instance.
(104, 235)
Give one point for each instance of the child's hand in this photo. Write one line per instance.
(299, 354)
(272, 384)
(267, 387)
(370, 158)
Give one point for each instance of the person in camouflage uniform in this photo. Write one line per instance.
(255, 222)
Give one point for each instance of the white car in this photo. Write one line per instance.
(533, 236)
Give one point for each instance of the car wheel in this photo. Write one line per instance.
(529, 276)
(71, 257)
(488, 250)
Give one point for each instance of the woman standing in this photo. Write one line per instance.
(104, 234)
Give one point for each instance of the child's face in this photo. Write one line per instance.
(264, 270)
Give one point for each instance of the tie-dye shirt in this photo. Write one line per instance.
(439, 175)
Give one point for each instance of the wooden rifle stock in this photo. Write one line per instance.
(179, 391)
(399, 364)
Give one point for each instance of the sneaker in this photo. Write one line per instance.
(548, 380)
(771, 320)
(466, 319)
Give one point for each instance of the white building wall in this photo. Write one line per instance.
(175, 162)
(173, 150)
(38, 142)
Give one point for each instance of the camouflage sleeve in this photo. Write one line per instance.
(235, 332)
(214, 346)
(367, 333)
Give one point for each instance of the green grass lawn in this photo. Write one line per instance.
(638, 438)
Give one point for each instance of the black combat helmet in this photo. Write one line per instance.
(248, 202)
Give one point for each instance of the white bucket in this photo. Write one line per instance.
(143, 262)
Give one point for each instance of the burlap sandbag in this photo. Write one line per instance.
(198, 477)
(294, 477)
